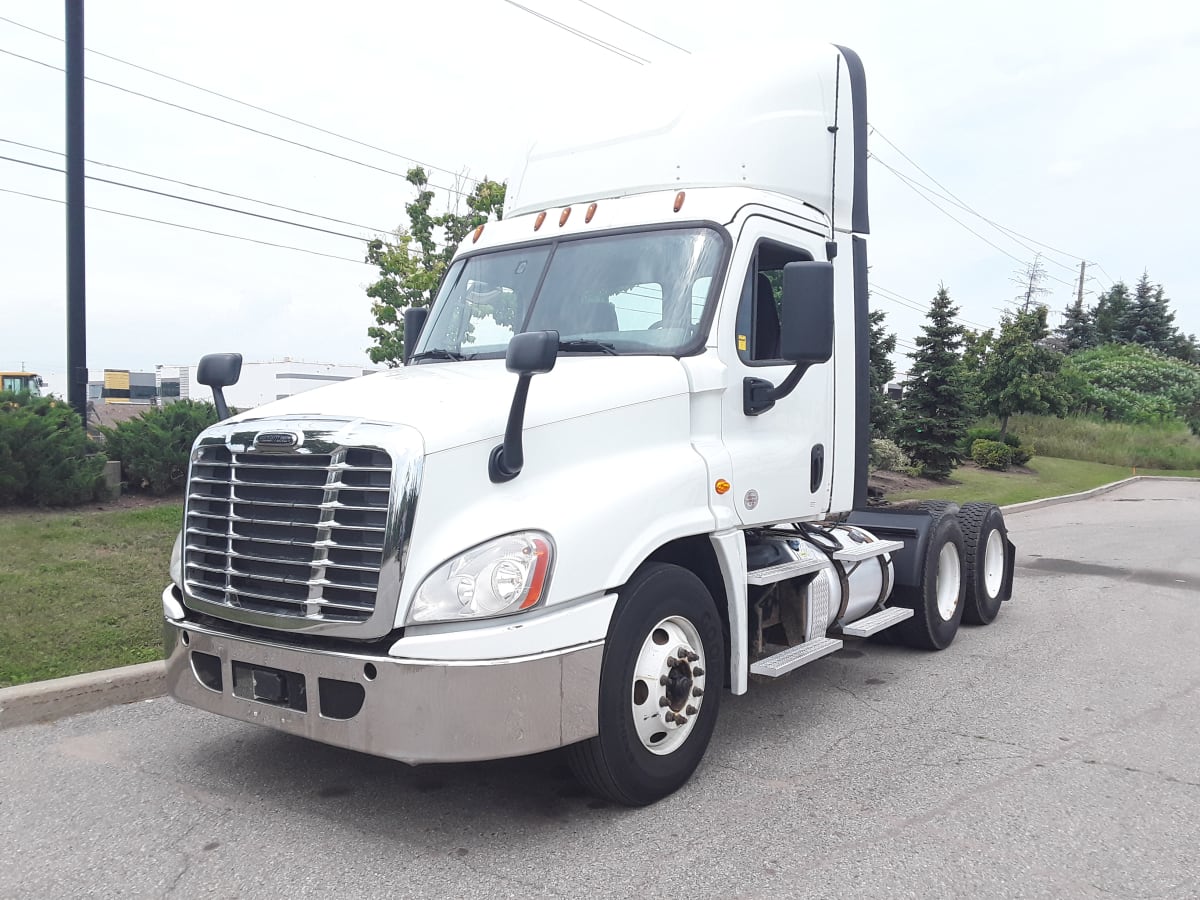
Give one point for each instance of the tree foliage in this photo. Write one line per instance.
(411, 263)
(46, 459)
(1021, 372)
(883, 370)
(934, 411)
(1077, 331)
(1128, 383)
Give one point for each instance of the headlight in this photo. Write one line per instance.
(499, 577)
(177, 561)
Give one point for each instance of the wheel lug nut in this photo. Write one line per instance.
(680, 720)
(691, 710)
(670, 716)
(697, 671)
(663, 701)
(672, 661)
(662, 679)
(697, 692)
(692, 657)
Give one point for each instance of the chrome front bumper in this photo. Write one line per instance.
(416, 711)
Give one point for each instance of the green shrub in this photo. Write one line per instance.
(888, 456)
(991, 454)
(1132, 384)
(1021, 453)
(154, 448)
(46, 458)
(1163, 445)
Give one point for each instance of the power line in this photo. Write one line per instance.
(920, 192)
(199, 187)
(244, 103)
(635, 27)
(611, 48)
(258, 131)
(236, 237)
(901, 300)
(243, 212)
(964, 205)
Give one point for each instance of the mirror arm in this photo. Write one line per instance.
(759, 395)
(221, 405)
(508, 459)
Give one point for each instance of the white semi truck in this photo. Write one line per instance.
(456, 560)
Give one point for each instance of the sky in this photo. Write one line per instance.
(1073, 124)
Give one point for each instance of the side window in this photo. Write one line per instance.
(758, 311)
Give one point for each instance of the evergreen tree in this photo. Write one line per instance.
(1021, 373)
(934, 410)
(883, 370)
(1077, 331)
(1109, 310)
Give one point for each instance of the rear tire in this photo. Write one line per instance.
(937, 602)
(938, 508)
(643, 751)
(984, 541)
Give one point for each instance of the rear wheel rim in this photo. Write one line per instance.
(993, 563)
(667, 692)
(949, 580)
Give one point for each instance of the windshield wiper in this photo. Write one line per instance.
(585, 344)
(436, 353)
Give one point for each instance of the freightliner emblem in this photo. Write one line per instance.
(276, 439)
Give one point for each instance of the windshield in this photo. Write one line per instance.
(629, 293)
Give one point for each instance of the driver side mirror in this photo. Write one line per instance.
(806, 317)
(217, 371)
(529, 353)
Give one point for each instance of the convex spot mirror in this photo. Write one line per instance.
(806, 316)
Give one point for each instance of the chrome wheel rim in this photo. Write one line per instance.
(949, 579)
(668, 685)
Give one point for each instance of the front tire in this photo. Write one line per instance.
(660, 687)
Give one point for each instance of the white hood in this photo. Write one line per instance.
(456, 403)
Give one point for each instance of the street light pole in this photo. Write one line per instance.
(77, 373)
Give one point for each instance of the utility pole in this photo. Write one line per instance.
(76, 268)
(1082, 274)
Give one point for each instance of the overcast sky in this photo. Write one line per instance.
(1075, 124)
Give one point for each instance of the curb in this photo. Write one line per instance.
(45, 701)
(1087, 495)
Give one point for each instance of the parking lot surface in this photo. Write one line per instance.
(1055, 753)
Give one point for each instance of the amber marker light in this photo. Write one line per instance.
(722, 486)
(591, 211)
(679, 201)
(478, 232)
(562, 219)
(541, 217)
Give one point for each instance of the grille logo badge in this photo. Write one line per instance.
(279, 440)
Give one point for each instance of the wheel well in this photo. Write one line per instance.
(696, 554)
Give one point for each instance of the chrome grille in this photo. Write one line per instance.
(299, 537)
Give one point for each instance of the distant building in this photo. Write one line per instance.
(261, 382)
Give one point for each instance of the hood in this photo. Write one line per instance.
(456, 403)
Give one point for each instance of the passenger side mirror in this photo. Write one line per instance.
(217, 371)
(414, 324)
(529, 353)
(806, 319)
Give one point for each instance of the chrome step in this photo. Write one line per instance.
(874, 624)
(795, 657)
(857, 552)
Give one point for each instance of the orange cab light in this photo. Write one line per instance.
(566, 214)
(478, 232)
(591, 212)
(541, 217)
(679, 201)
(722, 486)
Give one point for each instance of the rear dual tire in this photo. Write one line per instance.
(937, 601)
(985, 546)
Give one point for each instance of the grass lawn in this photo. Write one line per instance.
(80, 589)
(1050, 478)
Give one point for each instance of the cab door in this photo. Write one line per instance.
(781, 458)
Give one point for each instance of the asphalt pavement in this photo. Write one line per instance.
(1055, 753)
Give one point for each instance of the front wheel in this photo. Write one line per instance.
(660, 686)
